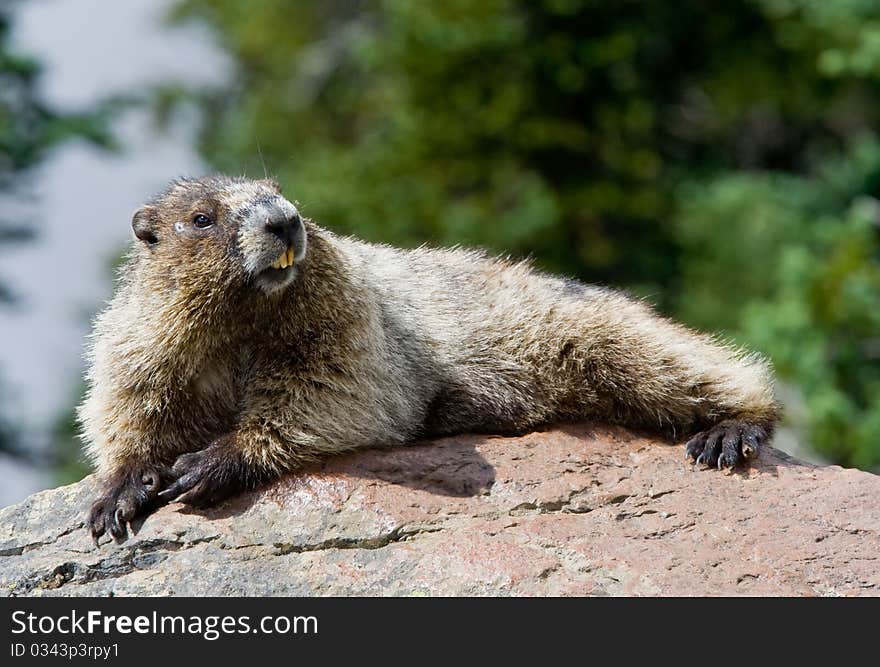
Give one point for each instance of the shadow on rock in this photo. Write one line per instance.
(446, 467)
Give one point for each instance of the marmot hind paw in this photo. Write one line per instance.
(727, 443)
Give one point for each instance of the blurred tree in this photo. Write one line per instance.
(28, 129)
(693, 152)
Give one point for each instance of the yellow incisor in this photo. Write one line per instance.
(285, 260)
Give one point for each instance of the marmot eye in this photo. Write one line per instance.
(201, 220)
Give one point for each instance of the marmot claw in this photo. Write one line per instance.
(726, 444)
(206, 477)
(130, 493)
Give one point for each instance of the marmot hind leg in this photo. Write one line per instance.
(649, 370)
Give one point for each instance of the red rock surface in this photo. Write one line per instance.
(577, 510)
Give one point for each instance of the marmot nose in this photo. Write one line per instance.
(283, 226)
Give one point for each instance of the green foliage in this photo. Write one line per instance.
(28, 129)
(716, 154)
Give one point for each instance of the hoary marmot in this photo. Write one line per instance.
(244, 340)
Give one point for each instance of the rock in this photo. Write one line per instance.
(576, 510)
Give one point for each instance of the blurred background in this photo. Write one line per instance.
(721, 159)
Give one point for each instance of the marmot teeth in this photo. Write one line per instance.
(285, 260)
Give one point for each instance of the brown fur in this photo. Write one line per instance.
(200, 372)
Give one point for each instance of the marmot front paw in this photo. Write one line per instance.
(131, 491)
(727, 443)
(208, 476)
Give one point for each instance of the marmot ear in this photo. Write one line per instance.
(143, 222)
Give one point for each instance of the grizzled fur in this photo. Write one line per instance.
(211, 372)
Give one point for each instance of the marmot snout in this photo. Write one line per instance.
(272, 239)
(229, 354)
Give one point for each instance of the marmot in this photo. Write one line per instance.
(244, 340)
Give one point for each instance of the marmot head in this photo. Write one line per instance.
(223, 230)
